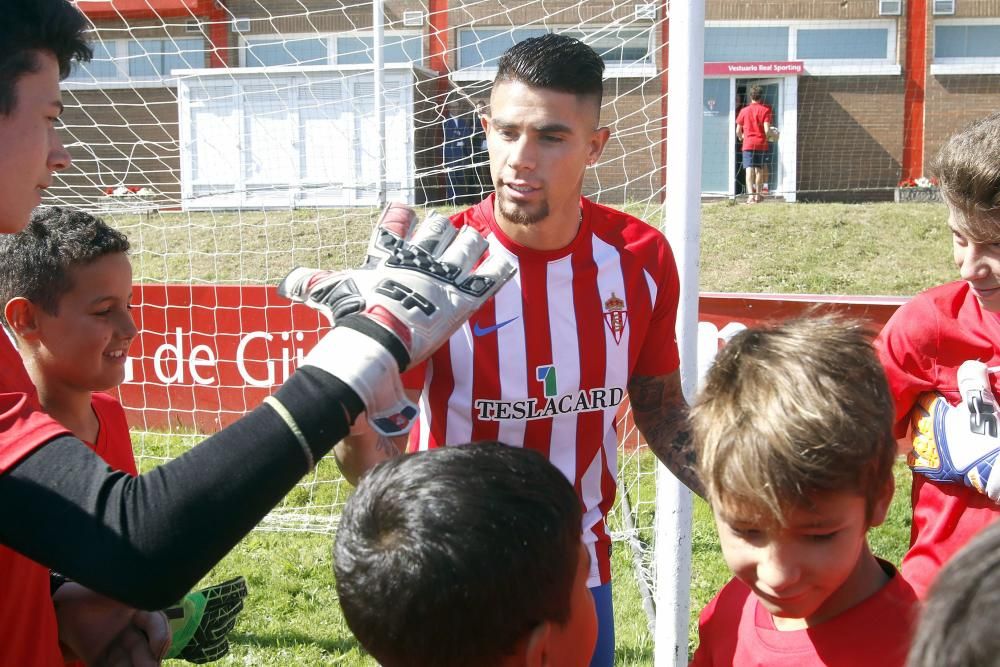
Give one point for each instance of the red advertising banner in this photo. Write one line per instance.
(755, 69)
(208, 354)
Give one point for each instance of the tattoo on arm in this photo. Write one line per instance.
(661, 414)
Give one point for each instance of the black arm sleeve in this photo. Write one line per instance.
(147, 540)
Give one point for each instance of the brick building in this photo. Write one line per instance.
(864, 91)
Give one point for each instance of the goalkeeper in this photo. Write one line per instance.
(50, 275)
(941, 351)
(109, 531)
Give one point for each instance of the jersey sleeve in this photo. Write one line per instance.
(907, 347)
(768, 115)
(659, 355)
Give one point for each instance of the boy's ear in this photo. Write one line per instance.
(536, 647)
(881, 507)
(22, 316)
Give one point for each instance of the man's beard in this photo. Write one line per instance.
(518, 215)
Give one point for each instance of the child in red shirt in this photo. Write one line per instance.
(927, 342)
(66, 299)
(795, 449)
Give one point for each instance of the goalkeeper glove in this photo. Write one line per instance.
(408, 298)
(200, 623)
(338, 293)
(959, 444)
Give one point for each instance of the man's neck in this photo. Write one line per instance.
(552, 233)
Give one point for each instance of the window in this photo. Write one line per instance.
(340, 49)
(740, 44)
(277, 52)
(396, 49)
(825, 48)
(842, 43)
(480, 48)
(102, 67)
(966, 41)
(966, 46)
(618, 47)
(155, 58)
(142, 63)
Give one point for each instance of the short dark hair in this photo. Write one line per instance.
(555, 62)
(450, 557)
(28, 27)
(957, 625)
(36, 262)
(756, 93)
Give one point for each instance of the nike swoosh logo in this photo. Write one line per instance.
(482, 331)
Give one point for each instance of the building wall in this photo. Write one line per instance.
(850, 142)
(954, 101)
(740, 10)
(122, 137)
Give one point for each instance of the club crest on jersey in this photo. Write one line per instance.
(615, 316)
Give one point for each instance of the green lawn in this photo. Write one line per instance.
(292, 616)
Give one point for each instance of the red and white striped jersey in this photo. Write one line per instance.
(545, 363)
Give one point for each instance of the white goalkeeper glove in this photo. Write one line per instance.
(959, 444)
(338, 293)
(407, 299)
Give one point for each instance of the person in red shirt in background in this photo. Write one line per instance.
(752, 127)
(793, 434)
(941, 352)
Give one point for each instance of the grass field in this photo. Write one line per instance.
(292, 617)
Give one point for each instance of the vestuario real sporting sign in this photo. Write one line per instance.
(207, 354)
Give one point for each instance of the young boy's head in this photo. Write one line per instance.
(38, 40)
(65, 291)
(756, 93)
(968, 172)
(958, 623)
(793, 431)
(466, 556)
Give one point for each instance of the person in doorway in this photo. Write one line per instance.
(753, 125)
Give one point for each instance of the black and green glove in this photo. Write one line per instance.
(200, 623)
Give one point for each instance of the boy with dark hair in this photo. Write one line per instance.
(65, 297)
(466, 556)
(795, 448)
(958, 623)
(941, 352)
(110, 531)
(591, 315)
(753, 128)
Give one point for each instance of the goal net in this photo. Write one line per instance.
(235, 140)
